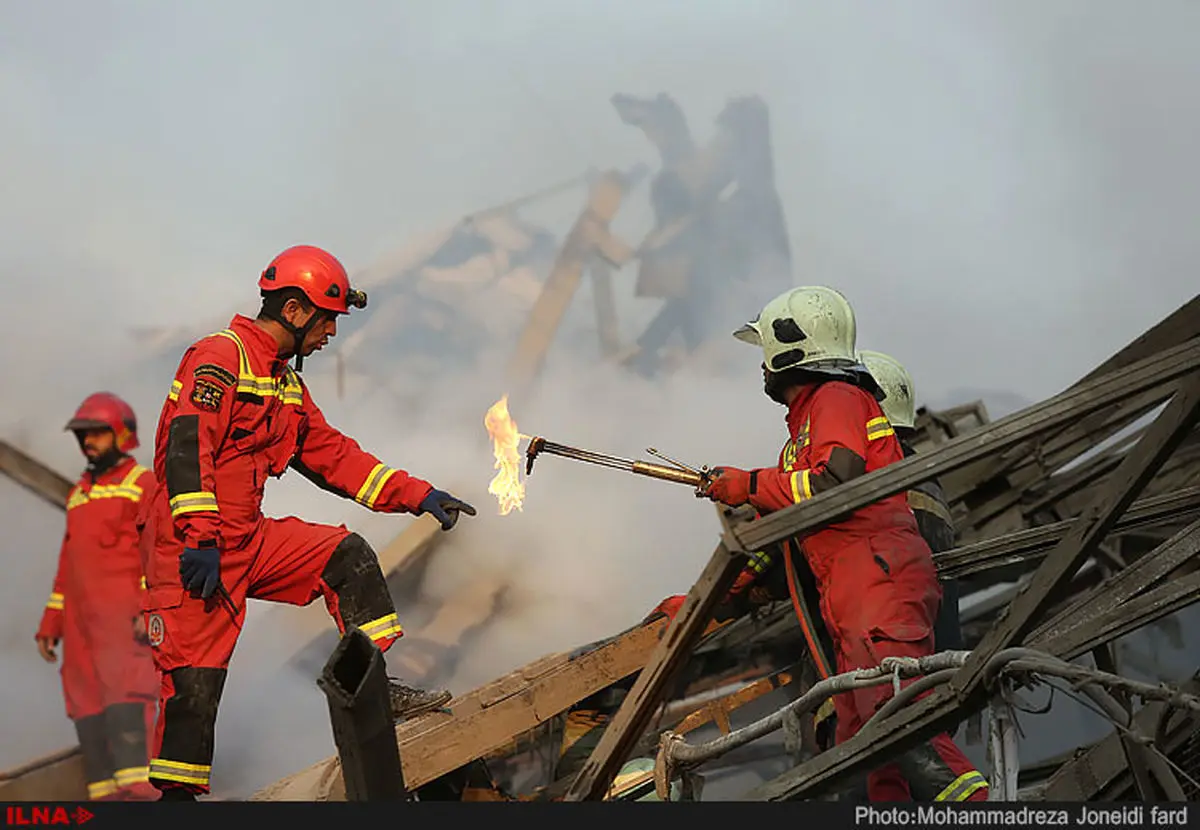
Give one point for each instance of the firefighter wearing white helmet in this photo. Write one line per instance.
(804, 332)
(927, 500)
(897, 385)
(874, 571)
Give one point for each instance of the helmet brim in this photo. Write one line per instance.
(76, 424)
(749, 333)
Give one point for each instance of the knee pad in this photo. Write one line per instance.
(354, 576)
(190, 715)
(125, 724)
(93, 744)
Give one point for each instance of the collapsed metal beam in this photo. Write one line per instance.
(355, 683)
(1181, 325)
(926, 718)
(1127, 583)
(1024, 545)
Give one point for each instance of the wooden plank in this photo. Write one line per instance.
(596, 775)
(994, 438)
(440, 743)
(1087, 532)
(606, 306)
(34, 476)
(733, 701)
(560, 287)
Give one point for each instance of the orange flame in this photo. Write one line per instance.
(506, 486)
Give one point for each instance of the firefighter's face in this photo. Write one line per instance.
(322, 331)
(95, 442)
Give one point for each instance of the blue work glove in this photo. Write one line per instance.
(200, 569)
(444, 507)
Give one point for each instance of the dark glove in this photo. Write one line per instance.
(728, 485)
(444, 507)
(200, 569)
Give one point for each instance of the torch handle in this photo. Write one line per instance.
(658, 471)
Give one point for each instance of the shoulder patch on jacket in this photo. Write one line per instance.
(220, 374)
(207, 395)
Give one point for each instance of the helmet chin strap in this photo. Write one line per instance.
(299, 333)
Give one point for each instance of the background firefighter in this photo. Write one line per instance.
(108, 676)
(878, 585)
(236, 414)
(926, 499)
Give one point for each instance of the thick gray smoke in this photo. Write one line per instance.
(1006, 192)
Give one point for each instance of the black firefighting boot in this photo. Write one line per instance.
(408, 702)
(177, 794)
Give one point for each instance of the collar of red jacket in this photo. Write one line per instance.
(259, 344)
(798, 410)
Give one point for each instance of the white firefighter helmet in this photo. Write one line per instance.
(810, 327)
(897, 385)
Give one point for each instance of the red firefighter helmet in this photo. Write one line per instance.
(318, 274)
(104, 410)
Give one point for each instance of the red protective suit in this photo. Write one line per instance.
(237, 414)
(878, 585)
(107, 675)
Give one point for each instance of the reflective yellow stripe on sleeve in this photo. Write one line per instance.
(193, 503)
(373, 486)
(176, 388)
(801, 489)
(55, 603)
(879, 428)
(142, 583)
(179, 772)
(963, 787)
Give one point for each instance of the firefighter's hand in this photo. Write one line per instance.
(728, 485)
(46, 646)
(200, 570)
(444, 507)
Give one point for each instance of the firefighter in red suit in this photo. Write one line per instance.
(878, 586)
(109, 681)
(236, 414)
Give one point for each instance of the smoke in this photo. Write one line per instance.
(1006, 196)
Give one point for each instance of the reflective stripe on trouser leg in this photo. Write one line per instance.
(963, 787)
(97, 762)
(125, 724)
(938, 771)
(354, 577)
(189, 720)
